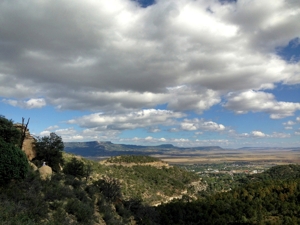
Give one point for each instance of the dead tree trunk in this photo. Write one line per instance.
(23, 131)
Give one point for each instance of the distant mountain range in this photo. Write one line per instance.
(108, 149)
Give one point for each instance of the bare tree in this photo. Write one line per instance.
(23, 131)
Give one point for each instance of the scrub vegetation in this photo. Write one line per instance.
(81, 191)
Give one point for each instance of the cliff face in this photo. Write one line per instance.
(28, 143)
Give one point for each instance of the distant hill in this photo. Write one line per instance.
(108, 149)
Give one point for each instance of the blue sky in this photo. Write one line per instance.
(184, 72)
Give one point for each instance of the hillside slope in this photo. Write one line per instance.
(149, 179)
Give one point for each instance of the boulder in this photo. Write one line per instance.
(28, 143)
(33, 166)
(28, 146)
(45, 172)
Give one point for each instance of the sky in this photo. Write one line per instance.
(182, 72)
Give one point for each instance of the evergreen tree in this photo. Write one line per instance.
(49, 149)
(13, 161)
(8, 132)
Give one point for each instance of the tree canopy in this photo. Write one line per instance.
(8, 132)
(49, 149)
(13, 161)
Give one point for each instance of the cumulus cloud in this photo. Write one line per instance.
(29, 104)
(115, 55)
(143, 118)
(186, 98)
(258, 101)
(201, 124)
(69, 134)
(257, 133)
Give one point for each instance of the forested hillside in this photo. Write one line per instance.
(272, 202)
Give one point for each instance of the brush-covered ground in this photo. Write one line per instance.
(119, 190)
(145, 190)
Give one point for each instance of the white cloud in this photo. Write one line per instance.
(52, 128)
(114, 55)
(185, 98)
(143, 118)
(29, 104)
(288, 128)
(71, 134)
(145, 141)
(257, 133)
(67, 134)
(280, 135)
(66, 131)
(212, 142)
(162, 139)
(260, 134)
(180, 142)
(289, 123)
(45, 133)
(258, 101)
(149, 138)
(201, 124)
(244, 135)
(298, 119)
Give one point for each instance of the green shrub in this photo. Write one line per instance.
(110, 188)
(83, 211)
(13, 162)
(22, 202)
(75, 168)
(56, 191)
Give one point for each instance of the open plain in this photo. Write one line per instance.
(261, 156)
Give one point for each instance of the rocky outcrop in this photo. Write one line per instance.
(198, 186)
(33, 166)
(45, 172)
(28, 143)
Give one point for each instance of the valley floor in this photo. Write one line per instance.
(269, 156)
